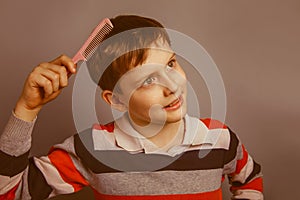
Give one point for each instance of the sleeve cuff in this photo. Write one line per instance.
(16, 137)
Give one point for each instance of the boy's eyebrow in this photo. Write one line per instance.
(140, 79)
(173, 55)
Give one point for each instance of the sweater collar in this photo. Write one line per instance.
(129, 139)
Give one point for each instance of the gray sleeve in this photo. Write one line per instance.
(16, 137)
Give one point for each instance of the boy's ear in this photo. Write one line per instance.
(113, 100)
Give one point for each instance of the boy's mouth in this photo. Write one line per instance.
(174, 104)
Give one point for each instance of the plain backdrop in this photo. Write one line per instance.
(255, 44)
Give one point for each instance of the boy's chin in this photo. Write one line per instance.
(175, 117)
(160, 120)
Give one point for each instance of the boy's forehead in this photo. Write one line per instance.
(156, 59)
(159, 52)
(159, 55)
(160, 46)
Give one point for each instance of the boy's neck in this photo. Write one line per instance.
(166, 136)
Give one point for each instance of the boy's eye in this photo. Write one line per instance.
(171, 64)
(149, 81)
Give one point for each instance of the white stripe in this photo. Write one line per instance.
(67, 145)
(208, 138)
(52, 176)
(7, 183)
(245, 172)
(159, 183)
(231, 166)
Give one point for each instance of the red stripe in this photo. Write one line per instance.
(108, 127)
(214, 195)
(242, 162)
(67, 170)
(223, 178)
(256, 184)
(10, 195)
(213, 124)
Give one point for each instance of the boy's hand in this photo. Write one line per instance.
(43, 84)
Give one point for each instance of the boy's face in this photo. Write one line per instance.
(155, 92)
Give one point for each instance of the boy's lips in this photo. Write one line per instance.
(174, 104)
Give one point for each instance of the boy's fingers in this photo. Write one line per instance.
(65, 61)
(63, 78)
(59, 73)
(52, 76)
(56, 74)
(46, 84)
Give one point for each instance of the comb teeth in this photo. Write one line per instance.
(94, 43)
(91, 44)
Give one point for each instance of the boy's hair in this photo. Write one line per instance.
(137, 33)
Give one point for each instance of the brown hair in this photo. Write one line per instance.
(116, 55)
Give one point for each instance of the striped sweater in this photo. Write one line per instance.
(111, 162)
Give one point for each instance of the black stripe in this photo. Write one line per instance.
(85, 193)
(12, 165)
(116, 161)
(192, 160)
(83, 141)
(37, 185)
(232, 151)
(256, 170)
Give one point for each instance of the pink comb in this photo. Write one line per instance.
(91, 44)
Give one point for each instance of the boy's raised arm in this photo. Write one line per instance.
(42, 85)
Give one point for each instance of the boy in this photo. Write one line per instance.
(150, 152)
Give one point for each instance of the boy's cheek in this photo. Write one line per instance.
(179, 77)
(127, 93)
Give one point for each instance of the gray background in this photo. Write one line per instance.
(255, 44)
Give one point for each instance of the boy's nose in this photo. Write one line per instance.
(170, 85)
